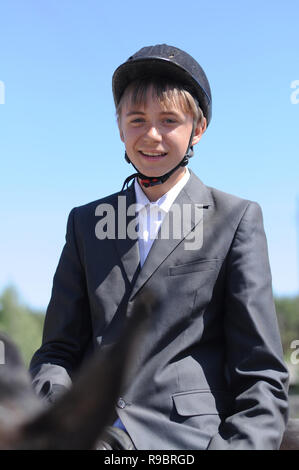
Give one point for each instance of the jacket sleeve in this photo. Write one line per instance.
(67, 328)
(256, 370)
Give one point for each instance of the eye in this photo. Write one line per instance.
(170, 120)
(137, 120)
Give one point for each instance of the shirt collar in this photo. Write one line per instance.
(165, 201)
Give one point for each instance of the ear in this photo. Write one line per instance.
(199, 131)
(121, 134)
(18, 402)
(15, 380)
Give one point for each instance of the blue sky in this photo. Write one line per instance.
(59, 144)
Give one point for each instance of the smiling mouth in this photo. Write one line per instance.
(153, 155)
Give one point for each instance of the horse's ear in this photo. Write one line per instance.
(15, 381)
(9, 353)
(18, 402)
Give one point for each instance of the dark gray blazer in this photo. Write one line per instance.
(210, 371)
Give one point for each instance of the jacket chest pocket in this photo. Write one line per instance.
(193, 283)
(194, 267)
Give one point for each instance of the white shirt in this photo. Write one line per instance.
(151, 214)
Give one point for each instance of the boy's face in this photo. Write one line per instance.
(156, 139)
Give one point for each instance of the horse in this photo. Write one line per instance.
(80, 418)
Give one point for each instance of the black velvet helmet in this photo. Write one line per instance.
(165, 61)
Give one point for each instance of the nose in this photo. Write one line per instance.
(153, 133)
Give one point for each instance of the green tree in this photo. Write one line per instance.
(23, 325)
(287, 309)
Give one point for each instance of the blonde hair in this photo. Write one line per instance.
(167, 93)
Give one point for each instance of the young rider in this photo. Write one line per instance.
(209, 372)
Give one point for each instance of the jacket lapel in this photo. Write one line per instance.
(127, 246)
(184, 215)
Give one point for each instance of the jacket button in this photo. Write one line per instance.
(121, 403)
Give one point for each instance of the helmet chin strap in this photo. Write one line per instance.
(148, 181)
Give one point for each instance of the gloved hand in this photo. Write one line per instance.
(52, 392)
(115, 439)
